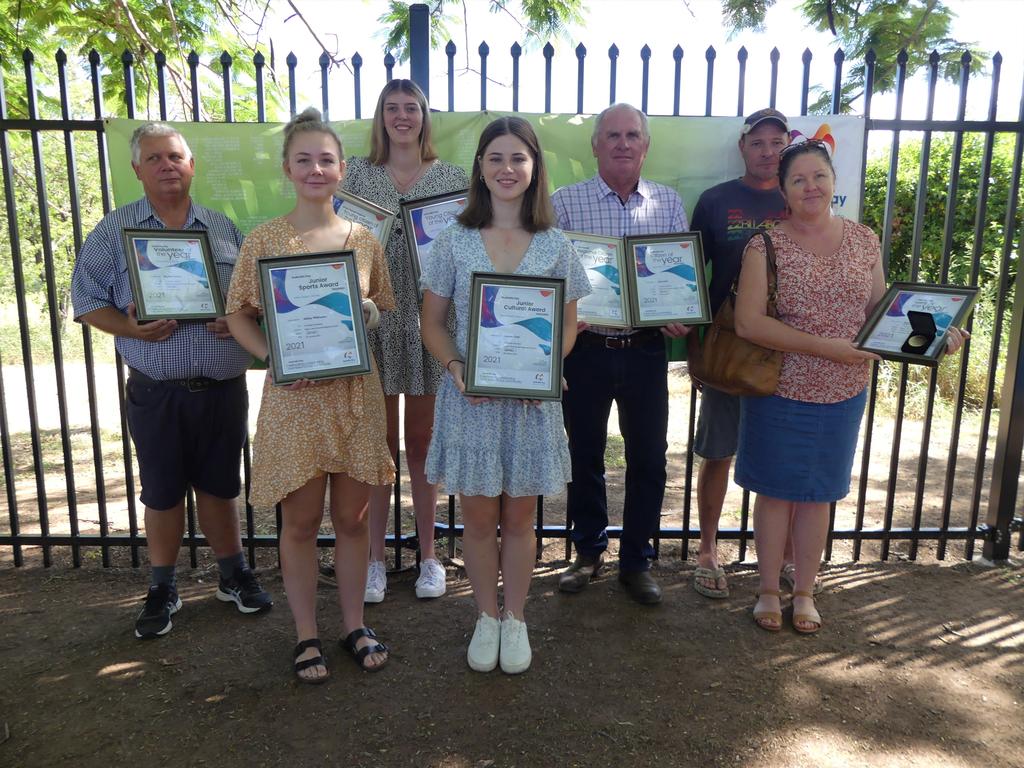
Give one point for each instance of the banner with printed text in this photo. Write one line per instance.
(238, 165)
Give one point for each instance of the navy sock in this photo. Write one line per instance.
(163, 574)
(229, 564)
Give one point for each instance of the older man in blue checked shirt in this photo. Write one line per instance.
(627, 367)
(186, 399)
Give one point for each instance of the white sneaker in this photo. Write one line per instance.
(376, 582)
(515, 645)
(431, 582)
(482, 655)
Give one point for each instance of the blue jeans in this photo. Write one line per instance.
(636, 380)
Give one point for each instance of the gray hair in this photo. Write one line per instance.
(644, 128)
(154, 130)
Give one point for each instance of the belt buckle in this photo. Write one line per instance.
(198, 384)
(616, 342)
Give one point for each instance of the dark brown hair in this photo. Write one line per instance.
(380, 143)
(535, 212)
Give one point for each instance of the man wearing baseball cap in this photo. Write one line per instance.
(726, 216)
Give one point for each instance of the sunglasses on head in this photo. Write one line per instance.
(806, 146)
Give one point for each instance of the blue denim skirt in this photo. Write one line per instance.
(798, 451)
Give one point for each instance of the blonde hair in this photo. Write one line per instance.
(380, 143)
(308, 121)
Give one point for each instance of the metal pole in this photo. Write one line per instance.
(1002, 499)
(419, 46)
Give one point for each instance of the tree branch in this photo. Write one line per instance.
(341, 62)
(473, 71)
(465, 30)
(925, 13)
(500, 4)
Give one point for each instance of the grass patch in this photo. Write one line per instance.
(615, 453)
(52, 450)
(72, 343)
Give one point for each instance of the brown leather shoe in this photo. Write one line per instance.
(641, 586)
(583, 569)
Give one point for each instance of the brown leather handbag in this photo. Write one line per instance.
(728, 363)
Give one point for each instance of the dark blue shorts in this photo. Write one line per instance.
(798, 451)
(184, 438)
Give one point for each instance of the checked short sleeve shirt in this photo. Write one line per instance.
(592, 206)
(100, 279)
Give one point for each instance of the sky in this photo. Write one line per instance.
(343, 26)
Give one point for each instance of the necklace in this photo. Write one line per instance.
(403, 184)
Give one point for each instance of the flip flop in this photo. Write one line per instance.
(712, 574)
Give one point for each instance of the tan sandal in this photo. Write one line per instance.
(761, 616)
(806, 618)
(787, 578)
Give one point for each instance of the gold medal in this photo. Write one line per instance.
(917, 341)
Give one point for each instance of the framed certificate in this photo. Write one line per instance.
(424, 220)
(666, 280)
(379, 221)
(603, 258)
(910, 322)
(314, 319)
(515, 336)
(172, 274)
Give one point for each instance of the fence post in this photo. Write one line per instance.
(1002, 498)
(419, 46)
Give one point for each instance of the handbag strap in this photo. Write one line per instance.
(773, 273)
(772, 270)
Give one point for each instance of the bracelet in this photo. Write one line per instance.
(447, 366)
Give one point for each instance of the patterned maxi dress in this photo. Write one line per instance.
(405, 365)
(335, 426)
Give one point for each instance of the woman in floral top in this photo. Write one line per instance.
(796, 447)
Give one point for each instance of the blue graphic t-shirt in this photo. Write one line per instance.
(726, 216)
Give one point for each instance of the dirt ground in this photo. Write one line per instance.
(919, 664)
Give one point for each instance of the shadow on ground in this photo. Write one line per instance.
(918, 665)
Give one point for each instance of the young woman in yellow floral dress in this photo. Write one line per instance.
(311, 433)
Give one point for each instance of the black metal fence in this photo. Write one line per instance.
(961, 515)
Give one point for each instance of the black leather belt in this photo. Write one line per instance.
(195, 384)
(640, 338)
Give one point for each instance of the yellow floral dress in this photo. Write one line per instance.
(336, 426)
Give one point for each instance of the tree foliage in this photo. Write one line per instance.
(964, 211)
(540, 21)
(884, 26)
(961, 249)
(143, 27)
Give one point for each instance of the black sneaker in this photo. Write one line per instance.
(155, 619)
(244, 590)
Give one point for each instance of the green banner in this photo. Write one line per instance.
(238, 165)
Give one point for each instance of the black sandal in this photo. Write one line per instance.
(359, 654)
(316, 661)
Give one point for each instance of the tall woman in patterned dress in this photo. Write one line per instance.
(796, 447)
(403, 165)
(311, 433)
(498, 454)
